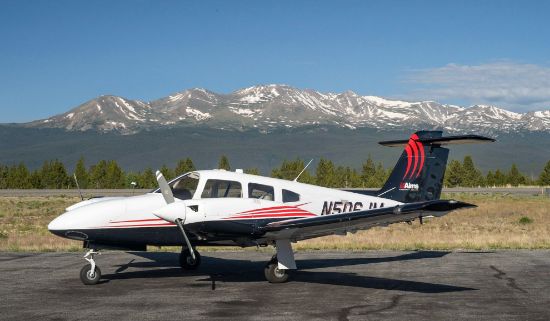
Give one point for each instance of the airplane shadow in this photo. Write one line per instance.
(216, 270)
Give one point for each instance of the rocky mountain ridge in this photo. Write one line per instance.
(270, 107)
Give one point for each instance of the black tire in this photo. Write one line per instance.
(187, 262)
(273, 274)
(87, 278)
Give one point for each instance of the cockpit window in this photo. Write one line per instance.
(215, 188)
(260, 191)
(185, 187)
(290, 196)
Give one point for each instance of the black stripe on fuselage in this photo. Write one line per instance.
(221, 232)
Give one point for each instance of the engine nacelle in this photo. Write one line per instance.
(172, 212)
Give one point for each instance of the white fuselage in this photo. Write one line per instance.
(217, 198)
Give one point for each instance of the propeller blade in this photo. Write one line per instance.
(165, 188)
(171, 212)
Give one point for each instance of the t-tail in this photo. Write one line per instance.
(419, 172)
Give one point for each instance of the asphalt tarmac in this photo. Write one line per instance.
(424, 285)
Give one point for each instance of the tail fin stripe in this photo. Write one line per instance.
(415, 155)
(409, 160)
(422, 156)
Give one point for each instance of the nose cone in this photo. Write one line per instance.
(171, 212)
(58, 225)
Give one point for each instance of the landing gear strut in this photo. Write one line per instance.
(90, 273)
(187, 261)
(190, 259)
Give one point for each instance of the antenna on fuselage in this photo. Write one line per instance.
(303, 170)
(78, 186)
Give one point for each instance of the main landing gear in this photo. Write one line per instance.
(276, 270)
(90, 273)
(272, 272)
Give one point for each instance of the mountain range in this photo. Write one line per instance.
(269, 107)
(262, 125)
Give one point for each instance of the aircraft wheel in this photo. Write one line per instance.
(89, 278)
(187, 262)
(273, 274)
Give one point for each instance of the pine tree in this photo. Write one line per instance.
(19, 177)
(81, 173)
(346, 177)
(184, 166)
(114, 176)
(147, 179)
(324, 174)
(368, 172)
(453, 174)
(544, 177)
(224, 163)
(60, 178)
(3, 176)
(166, 172)
(514, 177)
(490, 179)
(132, 177)
(500, 178)
(471, 176)
(381, 175)
(45, 176)
(290, 169)
(98, 174)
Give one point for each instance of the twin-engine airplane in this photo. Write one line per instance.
(216, 207)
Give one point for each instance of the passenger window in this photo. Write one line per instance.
(260, 191)
(289, 196)
(215, 188)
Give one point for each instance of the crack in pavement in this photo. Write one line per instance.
(502, 276)
(344, 313)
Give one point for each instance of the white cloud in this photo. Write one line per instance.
(520, 87)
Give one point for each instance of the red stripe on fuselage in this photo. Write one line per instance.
(274, 211)
(269, 216)
(269, 208)
(147, 220)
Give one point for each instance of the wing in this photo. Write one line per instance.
(306, 228)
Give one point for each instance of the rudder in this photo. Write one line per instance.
(419, 172)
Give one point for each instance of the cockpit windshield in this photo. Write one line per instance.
(184, 188)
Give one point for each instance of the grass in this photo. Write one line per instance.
(499, 222)
(525, 220)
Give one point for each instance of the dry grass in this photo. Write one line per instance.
(24, 221)
(500, 222)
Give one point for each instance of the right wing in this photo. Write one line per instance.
(306, 228)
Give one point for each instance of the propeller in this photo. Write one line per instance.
(173, 211)
(165, 188)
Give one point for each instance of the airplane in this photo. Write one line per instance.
(223, 208)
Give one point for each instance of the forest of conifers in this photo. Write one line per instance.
(108, 174)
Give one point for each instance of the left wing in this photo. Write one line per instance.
(306, 228)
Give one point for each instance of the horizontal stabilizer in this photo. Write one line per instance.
(461, 139)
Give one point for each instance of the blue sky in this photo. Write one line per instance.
(55, 55)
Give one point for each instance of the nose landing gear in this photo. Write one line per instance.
(90, 273)
(187, 261)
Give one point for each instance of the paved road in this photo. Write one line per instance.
(503, 285)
